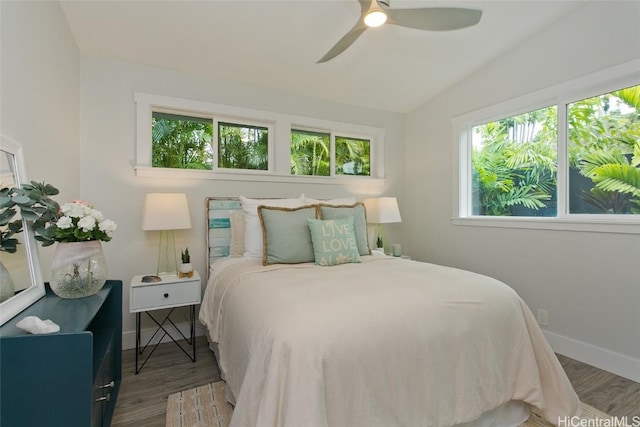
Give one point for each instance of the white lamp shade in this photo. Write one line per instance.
(382, 210)
(165, 211)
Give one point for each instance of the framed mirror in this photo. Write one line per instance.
(21, 281)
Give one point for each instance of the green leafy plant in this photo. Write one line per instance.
(515, 166)
(186, 258)
(616, 179)
(76, 221)
(8, 225)
(35, 204)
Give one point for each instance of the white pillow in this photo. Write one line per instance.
(332, 202)
(253, 241)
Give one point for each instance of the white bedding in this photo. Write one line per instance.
(387, 342)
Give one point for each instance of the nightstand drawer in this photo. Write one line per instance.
(156, 296)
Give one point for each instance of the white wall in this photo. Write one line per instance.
(589, 282)
(39, 101)
(108, 180)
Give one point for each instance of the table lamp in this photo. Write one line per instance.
(381, 211)
(166, 212)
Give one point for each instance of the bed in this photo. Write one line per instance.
(380, 341)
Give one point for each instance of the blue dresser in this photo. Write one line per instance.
(70, 378)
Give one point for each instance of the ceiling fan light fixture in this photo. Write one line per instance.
(375, 17)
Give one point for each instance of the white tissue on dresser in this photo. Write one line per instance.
(35, 325)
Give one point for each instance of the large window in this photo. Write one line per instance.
(514, 165)
(575, 161)
(180, 138)
(604, 153)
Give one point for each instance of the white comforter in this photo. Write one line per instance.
(384, 343)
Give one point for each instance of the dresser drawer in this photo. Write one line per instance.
(156, 296)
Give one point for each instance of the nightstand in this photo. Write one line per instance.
(169, 293)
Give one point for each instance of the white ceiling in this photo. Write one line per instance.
(276, 44)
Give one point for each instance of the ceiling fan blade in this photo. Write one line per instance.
(364, 6)
(434, 18)
(346, 41)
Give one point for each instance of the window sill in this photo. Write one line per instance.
(255, 176)
(601, 224)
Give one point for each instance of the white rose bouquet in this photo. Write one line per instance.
(79, 222)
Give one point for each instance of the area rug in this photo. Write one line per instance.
(205, 406)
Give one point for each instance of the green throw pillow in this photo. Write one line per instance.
(286, 236)
(358, 212)
(334, 241)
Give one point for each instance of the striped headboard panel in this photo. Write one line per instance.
(219, 226)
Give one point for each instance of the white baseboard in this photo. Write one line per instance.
(129, 337)
(607, 360)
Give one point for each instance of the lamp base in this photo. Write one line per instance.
(167, 254)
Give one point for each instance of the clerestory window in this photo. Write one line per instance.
(183, 138)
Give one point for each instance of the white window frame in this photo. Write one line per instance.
(595, 84)
(279, 126)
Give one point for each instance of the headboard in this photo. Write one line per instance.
(219, 226)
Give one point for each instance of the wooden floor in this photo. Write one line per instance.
(142, 401)
(143, 397)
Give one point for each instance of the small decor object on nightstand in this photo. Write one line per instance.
(396, 249)
(379, 244)
(186, 269)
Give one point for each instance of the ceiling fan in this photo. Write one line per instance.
(374, 13)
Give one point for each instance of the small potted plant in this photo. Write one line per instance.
(379, 245)
(186, 269)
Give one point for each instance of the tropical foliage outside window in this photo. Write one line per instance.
(243, 147)
(243, 144)
(604, 153)
(186, 142)
(514, 160)
(310, 153)
(181, 141)
(353, 156)
(514, 165)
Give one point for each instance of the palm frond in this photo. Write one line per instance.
(617, 177)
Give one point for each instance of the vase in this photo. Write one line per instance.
(78, 269)
(186, 270)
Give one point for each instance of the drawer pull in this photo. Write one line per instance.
(106, 398)
(108, 385)
(166, 295)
